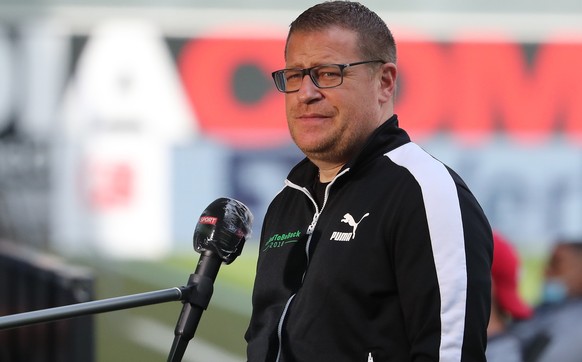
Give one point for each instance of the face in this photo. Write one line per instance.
(330, 125)
(566, 265)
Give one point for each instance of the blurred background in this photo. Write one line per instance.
(120, 121)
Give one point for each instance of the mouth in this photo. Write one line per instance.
(312, 117)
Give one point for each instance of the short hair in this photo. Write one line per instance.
(375, 39)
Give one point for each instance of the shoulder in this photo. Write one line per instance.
(419, 163)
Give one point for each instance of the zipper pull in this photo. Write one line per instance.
(313, 223)
(370, 358)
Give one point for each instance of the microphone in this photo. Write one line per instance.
(219, 237)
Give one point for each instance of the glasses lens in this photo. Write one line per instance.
(279, 78)
(293, 79)
(288, 80)
(327, 76)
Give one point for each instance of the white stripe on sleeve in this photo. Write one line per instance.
(445, 225)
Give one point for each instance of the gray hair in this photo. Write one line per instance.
(375, 39)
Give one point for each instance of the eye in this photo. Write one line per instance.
(328, 72)
(292, 76)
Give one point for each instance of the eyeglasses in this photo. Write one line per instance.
(323, 76)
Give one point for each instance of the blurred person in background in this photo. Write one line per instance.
(554, 334)
(507, 306)
(374, 250)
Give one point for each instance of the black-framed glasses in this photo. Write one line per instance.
(323, 76)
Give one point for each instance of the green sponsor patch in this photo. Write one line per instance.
(279, 240)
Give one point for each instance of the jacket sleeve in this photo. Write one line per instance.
(442, 258)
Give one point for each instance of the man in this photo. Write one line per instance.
(555, 332)
(507, 306)
(373, 251)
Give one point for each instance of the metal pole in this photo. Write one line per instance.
(97, 306)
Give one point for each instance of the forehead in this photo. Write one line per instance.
(328, 45)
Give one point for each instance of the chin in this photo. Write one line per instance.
(308, 145)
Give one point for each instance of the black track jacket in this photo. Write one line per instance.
(394, 267)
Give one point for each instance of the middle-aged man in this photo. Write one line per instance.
(373, 250)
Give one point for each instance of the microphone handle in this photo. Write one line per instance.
(200, 286)
(208, 264)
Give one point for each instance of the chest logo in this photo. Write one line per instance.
(279, 240)
(348, 219)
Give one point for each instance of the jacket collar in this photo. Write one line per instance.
(385, 138)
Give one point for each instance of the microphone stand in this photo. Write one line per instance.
(219, 236)
(197, 293)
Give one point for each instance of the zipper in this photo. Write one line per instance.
(310, 229)
(280, 326)
(313, 223)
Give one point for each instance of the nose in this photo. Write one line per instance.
(308, 91)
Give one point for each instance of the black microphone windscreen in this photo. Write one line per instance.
(223, 229)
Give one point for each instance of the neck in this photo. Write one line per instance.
(327, 172)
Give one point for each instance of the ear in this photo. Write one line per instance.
(388, 82)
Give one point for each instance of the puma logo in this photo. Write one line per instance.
(349, 219)
(343, 236)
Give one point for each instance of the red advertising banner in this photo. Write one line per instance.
(471, 89)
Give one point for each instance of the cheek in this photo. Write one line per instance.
(288, 102)
(360, 102)
(360, 116)
(289, 106)
(350, 107)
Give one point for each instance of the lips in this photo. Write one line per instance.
(312, 116)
